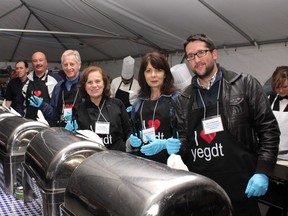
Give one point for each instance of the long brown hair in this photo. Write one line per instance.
(158, 61)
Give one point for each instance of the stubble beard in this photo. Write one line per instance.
(207, 73)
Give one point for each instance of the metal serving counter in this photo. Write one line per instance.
(50, 159)
(277, 194)
(118, 183)
(4, 113)
(15, 134)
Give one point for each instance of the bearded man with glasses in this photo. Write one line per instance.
(226, 127)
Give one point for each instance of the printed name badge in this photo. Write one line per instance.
(212, 124)
(102, 127)
(150, 132)
(67, 111)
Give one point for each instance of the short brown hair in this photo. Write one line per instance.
(83, 79)
(200, 37)
(279, 77)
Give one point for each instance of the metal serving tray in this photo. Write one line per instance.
(117, 183)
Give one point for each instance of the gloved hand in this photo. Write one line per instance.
(68, 116)
(257, 185)
(129, 109)
(154, 147)
(135, 141)
(72, 126)
(173, 146)
(35, 101)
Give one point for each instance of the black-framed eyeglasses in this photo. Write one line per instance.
(200, 54)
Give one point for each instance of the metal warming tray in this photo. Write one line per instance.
(4, 113)
(117, 183)
(15, 134)
(50, 159)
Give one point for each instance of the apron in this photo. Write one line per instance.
(282, 119)
(123, 95)
(67, 99)
(36, 87)
(156, 114)
(219, 155)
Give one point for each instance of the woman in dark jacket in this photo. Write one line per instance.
(153, 119)
(106, 116)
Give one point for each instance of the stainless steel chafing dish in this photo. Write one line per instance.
(116, 183)
(50, 159)
(15, 134)
(4, 113)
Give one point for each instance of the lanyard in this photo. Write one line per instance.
(143, 122)
(217, 103)
(100, 112)
(63, 98)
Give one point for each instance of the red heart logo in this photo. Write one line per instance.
(37, 93)
(68, 106)
(207, 137)
(156, 124)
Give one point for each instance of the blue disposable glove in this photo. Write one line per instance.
(173, 145)
(257, 185)
(72, 126)
(135, 141)
(129, 109)
(35, 101)
(154, 147)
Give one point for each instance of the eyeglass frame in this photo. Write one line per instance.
(202, 53)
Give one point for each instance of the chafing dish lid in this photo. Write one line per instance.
(54, 153)
(121, 184)
(16, 132)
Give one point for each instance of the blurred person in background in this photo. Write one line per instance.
(14, 87)
(126, 87)
(182, 76)
(279, 105)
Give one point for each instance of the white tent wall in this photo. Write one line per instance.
(104, 32)
(259, 62)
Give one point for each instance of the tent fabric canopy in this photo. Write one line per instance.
(113, 29)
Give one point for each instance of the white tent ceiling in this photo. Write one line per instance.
(113, 29)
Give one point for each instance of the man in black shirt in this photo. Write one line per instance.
(14, 87)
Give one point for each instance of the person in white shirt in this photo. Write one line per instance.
(126, 87)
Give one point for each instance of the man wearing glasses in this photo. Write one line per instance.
(226, 127)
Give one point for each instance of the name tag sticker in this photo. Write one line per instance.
(212, 124)
(150, 132)
(102, 127)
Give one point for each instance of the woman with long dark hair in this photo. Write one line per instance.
(153, 120)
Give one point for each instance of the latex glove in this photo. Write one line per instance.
(173, 145)
(35, 101)
(257, 185)
(135, 141)
(155, 146)
(129, 109)
(72, 126)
